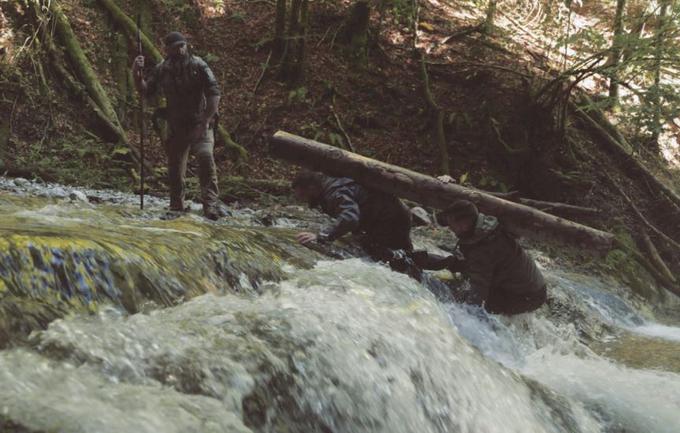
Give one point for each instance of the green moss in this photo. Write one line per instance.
(623, 266)
(74, 262)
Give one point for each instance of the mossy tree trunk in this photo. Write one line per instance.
(80, 62)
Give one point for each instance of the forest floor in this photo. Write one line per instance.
(497, 139)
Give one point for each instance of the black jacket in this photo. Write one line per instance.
(359, 209)
(186, 83)
(503, 277)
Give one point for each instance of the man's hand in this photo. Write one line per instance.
(200, 130)
(305, 237)
(137, 74)
(138, 65)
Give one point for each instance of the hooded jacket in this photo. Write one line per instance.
(503, 277)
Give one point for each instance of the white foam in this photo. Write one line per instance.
(670, 333)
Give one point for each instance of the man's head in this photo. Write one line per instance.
(175, 45)
(308, 186)
(460, 217)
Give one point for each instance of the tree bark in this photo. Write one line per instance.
(288, 60)
(656, 88)
(279, 31)
(298, 70)
(560, 209)
(616, 52)
(355, 31)
(432, 192)
(437, 118)
(489, 22)
(655, 257)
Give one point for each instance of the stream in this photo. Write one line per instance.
(115, 320)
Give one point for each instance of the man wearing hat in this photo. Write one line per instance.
(503, 277)
(193, 97)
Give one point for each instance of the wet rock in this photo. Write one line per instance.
(78, 196)
(21, 182)
(54, 192)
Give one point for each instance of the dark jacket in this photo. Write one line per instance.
(381, 217)
(503, 277)
(186, 83)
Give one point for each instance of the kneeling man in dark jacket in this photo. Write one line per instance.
(382, 220)
(503, 278)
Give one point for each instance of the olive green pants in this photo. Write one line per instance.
(180, 144)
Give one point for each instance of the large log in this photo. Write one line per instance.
(429, 191)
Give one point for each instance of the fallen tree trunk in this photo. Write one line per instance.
(554, 208)
(560, 209)
(655, 257)
(429, 191)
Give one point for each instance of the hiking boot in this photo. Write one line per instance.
(172, 214)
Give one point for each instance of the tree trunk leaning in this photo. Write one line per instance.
(81, 64)
(429, 191)
(655, 257)
(130, 28)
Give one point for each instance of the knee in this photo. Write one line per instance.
(204, 155)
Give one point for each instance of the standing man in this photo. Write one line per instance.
(382, 220)
(193, 97)
(504, 279)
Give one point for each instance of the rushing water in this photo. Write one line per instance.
(240, 330)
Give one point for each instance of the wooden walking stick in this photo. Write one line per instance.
(141, 119)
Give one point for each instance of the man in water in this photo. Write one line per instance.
(193, 97)
(382, 220)
(503, 278)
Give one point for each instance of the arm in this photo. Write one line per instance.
(211, 90)
(348, 216)
(144, 87)
(479, 269)
(436, 262)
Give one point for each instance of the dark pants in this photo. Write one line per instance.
(501, 302)
(392, 231)
(179, 145)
